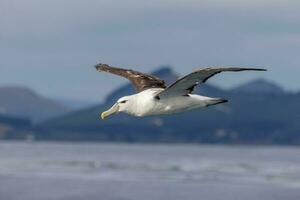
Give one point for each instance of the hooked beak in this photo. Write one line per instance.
(112, 110)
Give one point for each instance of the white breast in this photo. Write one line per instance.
(146, 104)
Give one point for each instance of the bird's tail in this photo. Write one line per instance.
(216, 101)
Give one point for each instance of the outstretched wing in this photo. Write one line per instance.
(139, 80)
(186, 84)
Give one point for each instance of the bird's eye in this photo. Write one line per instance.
(123, 101)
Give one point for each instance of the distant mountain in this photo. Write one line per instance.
(261, 86)
(12, 127)
(23, 102)
(75, 104)
(264, 118)
(14, 121)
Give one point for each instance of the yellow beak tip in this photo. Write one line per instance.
(114, 109)
(102, 116)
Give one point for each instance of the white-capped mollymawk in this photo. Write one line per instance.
(155, 98)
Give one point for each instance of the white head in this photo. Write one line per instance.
(122, 105)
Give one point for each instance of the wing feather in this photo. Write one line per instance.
(140, 80)
(186, 84)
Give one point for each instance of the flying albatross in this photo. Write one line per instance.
(153, 97)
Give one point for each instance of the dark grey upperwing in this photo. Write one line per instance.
(186, 84)
(139, 80)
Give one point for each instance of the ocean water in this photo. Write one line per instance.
(96, 171)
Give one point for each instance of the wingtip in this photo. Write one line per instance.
(101, 66)
(98, 66)
(254, 69)
(261, 69)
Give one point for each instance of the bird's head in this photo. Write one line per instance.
(122, 105)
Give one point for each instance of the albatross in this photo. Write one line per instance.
(153, 97)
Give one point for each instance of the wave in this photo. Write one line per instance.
(234, 172)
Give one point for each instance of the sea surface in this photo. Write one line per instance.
(104, 171)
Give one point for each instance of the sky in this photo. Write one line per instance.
(52, 46)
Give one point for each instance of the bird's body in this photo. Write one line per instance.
(145, 104)
(155, 98)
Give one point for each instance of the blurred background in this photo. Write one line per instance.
(53, 145)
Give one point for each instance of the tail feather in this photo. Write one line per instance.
(217, 101)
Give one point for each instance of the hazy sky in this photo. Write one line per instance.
(52, 46)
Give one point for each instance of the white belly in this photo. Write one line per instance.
(171, 105)
(145, 104)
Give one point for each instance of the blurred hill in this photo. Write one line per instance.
(259, 112)
(75, 104)
(25, 103)
(259, 86)
(13, 127)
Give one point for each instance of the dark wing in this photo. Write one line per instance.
(186, 84)
(139, 80)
